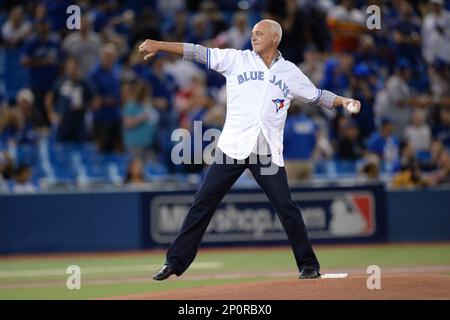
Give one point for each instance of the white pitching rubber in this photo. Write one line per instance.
(334, 275)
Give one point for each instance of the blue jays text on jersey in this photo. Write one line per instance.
(259, 75)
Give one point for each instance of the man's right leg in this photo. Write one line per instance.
(219, 178)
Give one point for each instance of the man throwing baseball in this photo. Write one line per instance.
(260, 87)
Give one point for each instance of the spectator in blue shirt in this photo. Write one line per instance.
(370, 54)
(199, 30)
(41, 55)
(406, 40)
(56, 13)
(364, 91)
(106, 115)
(383, 142)
(300, 140)
(68, 102)
(336, 73)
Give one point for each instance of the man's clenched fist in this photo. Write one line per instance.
(148, 48)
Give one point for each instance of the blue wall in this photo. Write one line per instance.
(70, 222)
(120, 221)
(419, 215)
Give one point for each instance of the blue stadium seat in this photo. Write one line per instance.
(27, 154)
(13, 71)
(59, 154)
(156, 171)
(345, 167)
(63, 174)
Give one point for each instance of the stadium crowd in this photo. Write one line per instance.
(91, 87)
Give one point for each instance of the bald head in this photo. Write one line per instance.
(275, 26)
(266, 35)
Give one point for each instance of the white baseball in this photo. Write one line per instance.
(353, 107)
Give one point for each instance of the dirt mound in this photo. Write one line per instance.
(393, 287)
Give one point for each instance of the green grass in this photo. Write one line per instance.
(92, 292)
(137, 279)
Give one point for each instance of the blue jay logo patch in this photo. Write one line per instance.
(279, 104)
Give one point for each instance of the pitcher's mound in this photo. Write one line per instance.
(393, 286)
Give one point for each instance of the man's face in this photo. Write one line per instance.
(388, 129)
(445, 116)
(108, 58)
(25, 106)
(263, 38)
(71, 69)
(42, 29)
(352, 132)
(436, 7)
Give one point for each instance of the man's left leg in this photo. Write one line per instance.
(277, 190)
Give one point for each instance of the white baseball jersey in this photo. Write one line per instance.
(258, 98)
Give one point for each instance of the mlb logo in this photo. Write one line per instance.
(352, 215)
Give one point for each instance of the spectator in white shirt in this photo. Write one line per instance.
(395, 100)
(436, 33)
(84, 45)
(418, 133)
(16, 29)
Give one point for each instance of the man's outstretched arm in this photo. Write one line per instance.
(196, 52)
(189, 51)
(328, 99)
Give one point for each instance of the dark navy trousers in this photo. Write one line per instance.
(219, 178)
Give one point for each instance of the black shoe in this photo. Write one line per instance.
(163, 273)
(308, 273)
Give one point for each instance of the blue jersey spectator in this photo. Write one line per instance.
(364, 91)
(335, 78)
(383, 143)
(300, 139)
(370, 55)
(106, 117)
(41, 55)
(57, 13)
(406, 33)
